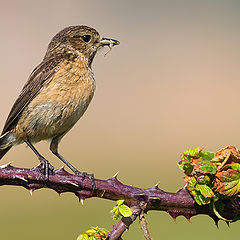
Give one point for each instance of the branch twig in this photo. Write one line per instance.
(144, 226)
(138, 199)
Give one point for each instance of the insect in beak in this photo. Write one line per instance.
(109, 43)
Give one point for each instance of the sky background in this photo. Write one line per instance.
(172, 83)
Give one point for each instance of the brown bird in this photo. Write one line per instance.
(56, 94)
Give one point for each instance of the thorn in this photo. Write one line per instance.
(228, 224)
(174, 219)
(116, 174)
(6, 165)
(189, 220)
(216, 220)
(81, 200)
(74, 184)
(156, 185)
(22, 178)
(31, 192)
(102, 193)
(39, 165)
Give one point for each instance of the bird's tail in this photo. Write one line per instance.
(6, 142)
(4, 151)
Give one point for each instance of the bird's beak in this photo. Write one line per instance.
(108, 42)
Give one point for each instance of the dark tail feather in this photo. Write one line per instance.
(6, 142)
(4, 151)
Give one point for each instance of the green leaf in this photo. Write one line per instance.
(207, 155)
(120, 202)
(186, 167)
(191, 182)
(203, 199)
(203, 179)
(115, 212)
(191, 153)
(91, 232)
(125, 211)
(82, 237)
(206, 167)
(197, 197)
(102, 233)
(93, 238)
(228, 182)
(236, 166)
(205, 190)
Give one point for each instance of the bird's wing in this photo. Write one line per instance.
(42, 73)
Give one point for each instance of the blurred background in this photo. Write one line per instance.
(173, 83)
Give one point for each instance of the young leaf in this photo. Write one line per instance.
(191, 182)
(186, 167)
(125, 210)
(205, 190)
(93, 238)
(228, 182)
(197, 197)
(82, 237)
(102, 234)
(207, 155)
(120, 202)
(115, 212)
(191, 153)
(205, 166)
(91, 231)
(236, 166)
(203, 179)
(203, 199)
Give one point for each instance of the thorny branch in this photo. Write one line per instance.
(139, 200)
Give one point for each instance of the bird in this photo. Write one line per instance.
(56, 94)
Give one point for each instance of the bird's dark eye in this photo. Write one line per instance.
(86, 38)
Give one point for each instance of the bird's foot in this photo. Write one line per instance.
(84, 175)
(46, 166)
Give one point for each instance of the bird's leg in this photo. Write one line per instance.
(45, 164)
(54, 149)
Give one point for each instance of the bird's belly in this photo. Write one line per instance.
(55, 110)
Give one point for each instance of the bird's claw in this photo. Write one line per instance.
(90, 176)
(46, 166)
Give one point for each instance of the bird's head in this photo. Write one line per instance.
(79, 40)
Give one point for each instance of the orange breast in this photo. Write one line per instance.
(59, 104)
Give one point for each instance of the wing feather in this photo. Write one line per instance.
(42, 73)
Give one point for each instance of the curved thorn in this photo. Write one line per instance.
(116, 174)
(218, 214)
(22, 178)
(6, 165)
(189, 220)
(74, 184)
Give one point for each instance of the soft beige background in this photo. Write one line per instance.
(173, 83)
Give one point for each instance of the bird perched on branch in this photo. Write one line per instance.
(56, 94)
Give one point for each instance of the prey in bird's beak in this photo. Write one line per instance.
(109, 43)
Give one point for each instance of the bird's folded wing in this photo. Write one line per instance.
(43, 73)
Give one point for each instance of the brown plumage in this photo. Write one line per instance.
(57, 93)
